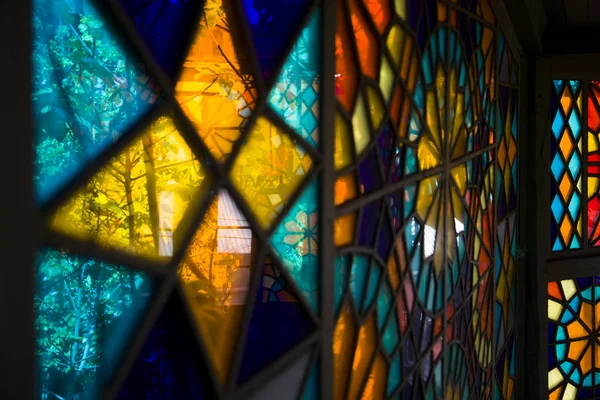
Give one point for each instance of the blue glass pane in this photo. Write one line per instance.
(575, 124)
(557, 245)
(557, 208)
(295, 241)
(85, 314)
(370, 174)
(275, 327)
(165, 26)
(558, 167)
(558, 84)
(86, 91)
(557, 125)
(273, 24)
(295, 94)
(574, 85)
(169, 365)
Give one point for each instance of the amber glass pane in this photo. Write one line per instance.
(345, 188)
(367, 341)
(215, 275)
(216, 88)
(375, 387)
(344, 339)
(343, 229)
(268, 170)
(139, 198)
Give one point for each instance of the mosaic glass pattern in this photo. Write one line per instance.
(225, 194)
(573, 368)
(438, 252)
(566, 171)
(593, 164)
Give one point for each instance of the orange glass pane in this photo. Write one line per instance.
(367, 340)
(346, 74)
(216, 87)
(380, 13)
(345, 188)
(344, 338)
(343, 230)
(139, 198)
(375, 387)
(268, 170)
(215, 276)
(366, 41)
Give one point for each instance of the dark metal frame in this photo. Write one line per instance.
(22, 225)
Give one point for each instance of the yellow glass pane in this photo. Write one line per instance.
(395, 43)
(345, 189)
(400, 8)
(386, 79)
(428, 189)
(568, 287)
(554, 378)
(215, 276)
(460, 178)
(268, 170)
(592, 142)
(570, 392)
(343, 155)
(360, 125)
(376, 108)
(343, 230)
(344, 338)
(375, 387)
(216, 86)
(367, 340)
(592, 186)
(554, 310)
(139, 198)
(428, 153)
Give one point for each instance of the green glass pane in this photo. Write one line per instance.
(85, 313)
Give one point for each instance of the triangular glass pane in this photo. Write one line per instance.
(279, 321)
(311, 388)
(216, 87)
(287, 384)
(85, 314)
(296, 242)
(215, 275)
(295, 94)
(273, 25)
(86, 91)
(169, 365)
(140, 197)
(165, 26)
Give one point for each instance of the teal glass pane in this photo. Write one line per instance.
(574, 205)
(358, 278)
(557, 246)
(575, 124)
(574, 85)
(395, 374)
(295, 94)
(391, 336)
(575, 164)
(372, 286)
(85, 314)
(311, 389)
(558, 84)
(86, 91)
(342, 266)
(384, 303)
(295, 240)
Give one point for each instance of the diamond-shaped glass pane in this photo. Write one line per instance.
(268, 170)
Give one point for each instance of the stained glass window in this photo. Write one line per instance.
(573, 368)
(180, 167)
